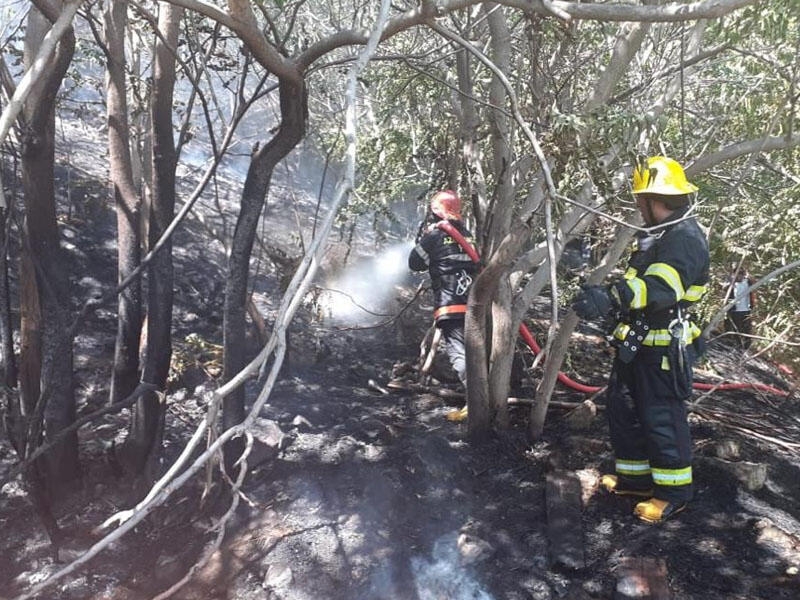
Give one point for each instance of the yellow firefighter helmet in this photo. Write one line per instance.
(661, 175)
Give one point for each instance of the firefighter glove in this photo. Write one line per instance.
(593, 302)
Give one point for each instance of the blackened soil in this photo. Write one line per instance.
(355, 492)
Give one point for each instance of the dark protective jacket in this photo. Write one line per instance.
(667, 273)
(451, 270)
(652, 373)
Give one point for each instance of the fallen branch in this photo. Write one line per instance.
(785, 444)
(553, 403)
(410, 386)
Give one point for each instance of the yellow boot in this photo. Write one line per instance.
(611, 483)
(657, 511)
(456, 416)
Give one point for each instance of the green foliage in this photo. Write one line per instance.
(400, 154)
(410, 136)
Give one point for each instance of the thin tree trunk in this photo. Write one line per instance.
(479, 423)
(30, 351)
(126, 200)
(469, 121)
(143, 445)
(503, 333)
(500, 129)
(484, 289)
(46, 403)
(294, 113)
(501, 357)
(560, 344)
(14, 422)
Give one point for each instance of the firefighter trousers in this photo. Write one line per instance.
(453, 334)
(649, 427)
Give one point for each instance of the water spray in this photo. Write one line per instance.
(362, 290)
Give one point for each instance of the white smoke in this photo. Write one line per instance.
(443, 576)
(362, 293)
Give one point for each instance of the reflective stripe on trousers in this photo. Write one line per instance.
(649, 426)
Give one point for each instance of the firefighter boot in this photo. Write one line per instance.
(613, 484)
(657, 511)
(456, 416)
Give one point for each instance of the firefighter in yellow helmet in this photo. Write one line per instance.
(656, 343)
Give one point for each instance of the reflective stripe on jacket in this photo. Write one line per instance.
(668, 269)
(659, 337)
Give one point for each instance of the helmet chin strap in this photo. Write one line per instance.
(649, 216)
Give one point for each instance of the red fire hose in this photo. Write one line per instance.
(528, 338)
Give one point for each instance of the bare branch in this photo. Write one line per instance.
(629, 40)
(242, 21)
(707, 9)
(765, 144)
(425, 14)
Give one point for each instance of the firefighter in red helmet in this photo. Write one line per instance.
(451, 271)
(656, 343)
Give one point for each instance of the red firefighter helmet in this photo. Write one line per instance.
(446, 205)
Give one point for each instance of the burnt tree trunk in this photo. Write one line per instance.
(294, 114)
(475, 337)
(13, 420)
(502, 132)
(30, 350)
(125, 375)
(46, 279)
(9, 361)
(143, 445)
(46, 402)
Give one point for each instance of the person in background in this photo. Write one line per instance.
(739, 320)
(655, 342)
(451, 271)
